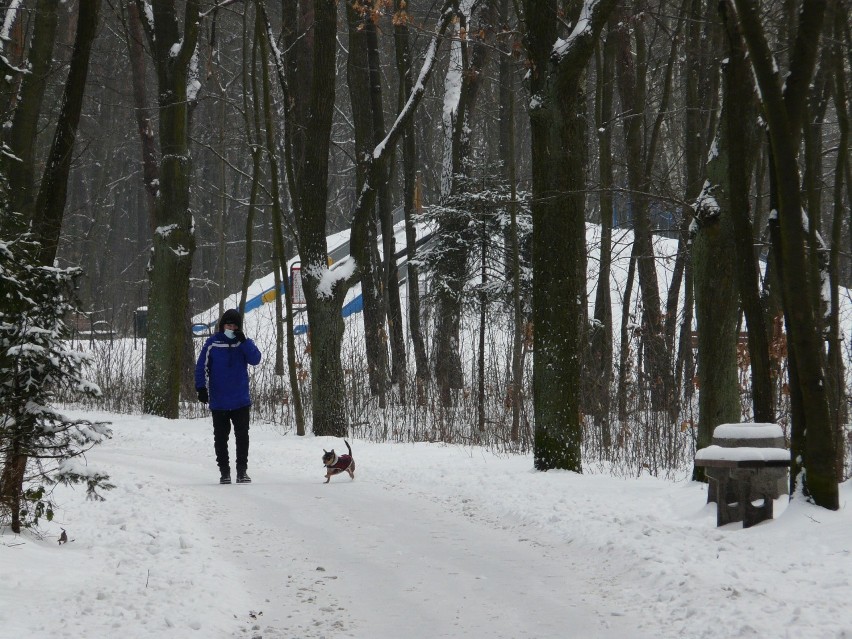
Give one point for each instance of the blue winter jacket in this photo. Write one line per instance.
(222, 368)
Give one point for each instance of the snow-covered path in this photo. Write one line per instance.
(429, 541)
(368, 558)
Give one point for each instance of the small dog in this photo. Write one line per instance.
(335, 464)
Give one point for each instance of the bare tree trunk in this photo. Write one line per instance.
(19, 162)
(409, 155)
(450, 270)
(601, 338)
(174, 238)
(12, 482)
(784, 108)
(625, 338)
(631, 90)
(279, 250)
(559, 234)
(11, 69)
(144, 126)
(507, 151)
(483, 308)
(836, 373)
(389, 271)
(716, 309)
(311, 53)
(53, 188)
(251, 117)
(739, 112)
(651, 158)
(372, 278)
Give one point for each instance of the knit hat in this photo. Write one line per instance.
(231, 316)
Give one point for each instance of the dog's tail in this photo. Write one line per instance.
(348, 447)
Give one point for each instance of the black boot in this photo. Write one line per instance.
(225, 476)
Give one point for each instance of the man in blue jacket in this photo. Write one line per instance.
(221, 379)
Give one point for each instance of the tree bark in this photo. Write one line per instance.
(742, 142)
(174, 238)
(836, 368)
(53, 188)
(11, 69)
(372, 291)
(19, 163)
(409, 160)
(558, 211)
(279, 250)
(631, 91)
(601, 363)
(450, 270)
(716, 309)
(784, 108)
(312, 136)
(136, 52)
(389, 271)
(506, 111)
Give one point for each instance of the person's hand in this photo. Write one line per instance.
(203, 397)
(240, 336)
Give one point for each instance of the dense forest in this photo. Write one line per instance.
(175, 150)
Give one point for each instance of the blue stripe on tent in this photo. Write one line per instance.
(355, 306)
(253, 303)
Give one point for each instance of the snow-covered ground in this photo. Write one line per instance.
(428, 541)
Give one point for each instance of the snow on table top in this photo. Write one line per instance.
(747, 431)
(742, 453)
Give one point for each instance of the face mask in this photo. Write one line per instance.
(229, 333)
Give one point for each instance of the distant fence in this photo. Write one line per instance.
(85, 327)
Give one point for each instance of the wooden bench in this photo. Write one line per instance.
(746, 463)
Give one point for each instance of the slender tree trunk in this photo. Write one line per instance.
(739, 111)
(279, 249)
(451, 269)
(372, 292)
(672, 316)
(507, 151)
(601, 338)
(144, 126)
(11, 69)
(12, 482)
(483, 309)
(53, 189)
(20, 137)
(836, 367)
(389, 271)
(251, 117)
(409, 159)
(631, 91)
(784, 108)
(625, 339)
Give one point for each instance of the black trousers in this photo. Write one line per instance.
(222, 420)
